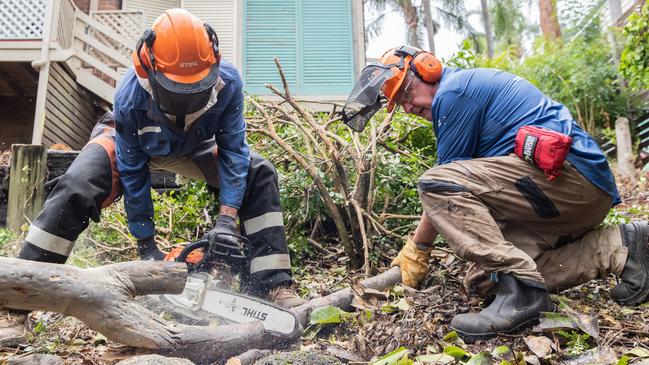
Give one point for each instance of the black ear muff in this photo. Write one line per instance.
(215, 41)
(147, 38)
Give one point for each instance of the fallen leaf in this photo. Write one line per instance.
(532, 359)
(456, 352)
(481, 358)
(500, 351)
(541, 346)
(329, 315)
(435, 359)
(555, 321)
(451, 336)
(638, 352)
(595, 356)
(396, 357)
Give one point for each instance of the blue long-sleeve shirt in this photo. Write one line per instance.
(143, 132)
(477, 113)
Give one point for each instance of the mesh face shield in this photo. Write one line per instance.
(181, 99)
(367, 96)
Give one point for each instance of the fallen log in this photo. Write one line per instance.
(343, 298)
(102, 298)
(248, 358)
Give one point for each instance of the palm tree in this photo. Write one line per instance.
(508, 21)
(451, 13)
(504, 25)
(486, 19)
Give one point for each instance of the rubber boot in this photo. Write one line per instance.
(517, 305)
(634, 288)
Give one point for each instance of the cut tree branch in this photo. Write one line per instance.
(103, 298)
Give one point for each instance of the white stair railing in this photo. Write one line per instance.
(99, 52)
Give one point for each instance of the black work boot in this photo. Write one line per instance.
(634, 288)
(516, 306)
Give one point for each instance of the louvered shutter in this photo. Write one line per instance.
(222, 16)
(327, 59)
(269, 31)
(151, 8)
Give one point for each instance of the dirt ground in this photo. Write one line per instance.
(592, 329)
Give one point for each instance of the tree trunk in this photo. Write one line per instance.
(486, 19)
(625, 150)
(412, 22)
(103, 298)
(343, 298)
(549, 20)
(430, 26)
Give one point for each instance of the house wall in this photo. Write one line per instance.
(151, 8)
(16, 120)
(86, 5)
(70, 112)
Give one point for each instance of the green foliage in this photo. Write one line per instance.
(579, 75)
(8, 242)
(329, 315)
(577, 341)
(634, 61)
(615, 217)
(185, 214)
(6, 236)
(180, 216)
(405, 155)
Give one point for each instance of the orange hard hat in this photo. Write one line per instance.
(382, 80)
(182, 47)
(179, 55)
(422, 63)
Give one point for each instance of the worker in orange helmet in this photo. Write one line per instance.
(518, 190)
(179, 109)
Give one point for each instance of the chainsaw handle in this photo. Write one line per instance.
(182, 256)
(228, 252)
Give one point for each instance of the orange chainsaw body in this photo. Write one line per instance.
(193, 258)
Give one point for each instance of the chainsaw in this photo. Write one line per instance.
(202, 297)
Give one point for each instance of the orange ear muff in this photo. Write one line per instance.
(427, 67)
(141, 58)
(139, 68)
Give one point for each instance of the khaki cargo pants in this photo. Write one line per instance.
(503, 215)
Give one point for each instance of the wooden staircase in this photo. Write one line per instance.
(95, 47)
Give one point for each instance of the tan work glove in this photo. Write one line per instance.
(414, 263)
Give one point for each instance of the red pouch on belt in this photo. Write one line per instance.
(543, 147)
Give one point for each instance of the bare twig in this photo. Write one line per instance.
(326, 197)
(361, 223)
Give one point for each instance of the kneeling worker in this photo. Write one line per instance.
(527, 220)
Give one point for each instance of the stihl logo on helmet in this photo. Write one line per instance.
(188, 64)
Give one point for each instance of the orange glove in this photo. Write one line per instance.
(414, 263)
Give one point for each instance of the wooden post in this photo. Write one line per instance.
(625, 150)
(27, 174)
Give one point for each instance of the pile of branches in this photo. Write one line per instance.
(345, 157)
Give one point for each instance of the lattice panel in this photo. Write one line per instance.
(129, 24)
(21, 19)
